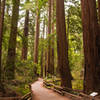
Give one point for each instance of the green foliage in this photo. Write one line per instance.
(77, 84)
(25, 69)
(28, 5)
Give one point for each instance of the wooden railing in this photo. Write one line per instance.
(70, 93)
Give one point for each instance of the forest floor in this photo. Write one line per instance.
(41, 93)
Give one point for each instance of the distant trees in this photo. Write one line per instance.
(10, 63)
(62, 45)
(91, 39)
(25, 36)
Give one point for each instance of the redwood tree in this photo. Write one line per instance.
(25, 36)
(2, 11)
(36, 41)
(42, 50)
(0, 6)
(49, 32)
(10, 63)
(91, 39)
(52, 31)
(62, 45)
(99, 8)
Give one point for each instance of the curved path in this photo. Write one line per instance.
(41, 93)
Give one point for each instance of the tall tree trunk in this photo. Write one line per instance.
(91, 38)
(46, 57)
(0, 7)
(45, 66)
(62, 45)
(52, 40)
(41, 63)
(49, 46)
(99, 9)
(42, 51)
(25, 37)
(2, 11)
(10, 63)
(36, 42)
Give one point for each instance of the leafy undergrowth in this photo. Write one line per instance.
(77, 82)
(8, 92)
(24, 76)
(21, 87)
(16, 88)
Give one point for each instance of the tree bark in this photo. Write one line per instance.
(0, 7)
(91, 39)
(41, 63)
(2, 12)
(42, 51)
(10, 63)
(99, 9)
(36, 39)
(45, 66)
(25, 37)
(36, 42)
(62, 45)
(49, 46)
(52, 40)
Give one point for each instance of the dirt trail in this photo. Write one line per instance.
(41, 93)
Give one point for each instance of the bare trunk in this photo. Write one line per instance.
(45, 66)
(0, 7)
(10, 63)
(49, 46)
(99, 9)
(90, 39)
(42, 51)
(41, 63)
(25, 37)
(52, 40)
(36, 42)
(62, 45)
(2, 11)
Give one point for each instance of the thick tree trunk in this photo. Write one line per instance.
(62, 45)
(99, 9)
(10, 64)
(36, 42)
(0, 7)
(52, 61)
(42, 51)
(49, 46)
(45, 66)
(90, 39)
(41, 63)
(25, 37)
(2, 11)
(52, 40)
